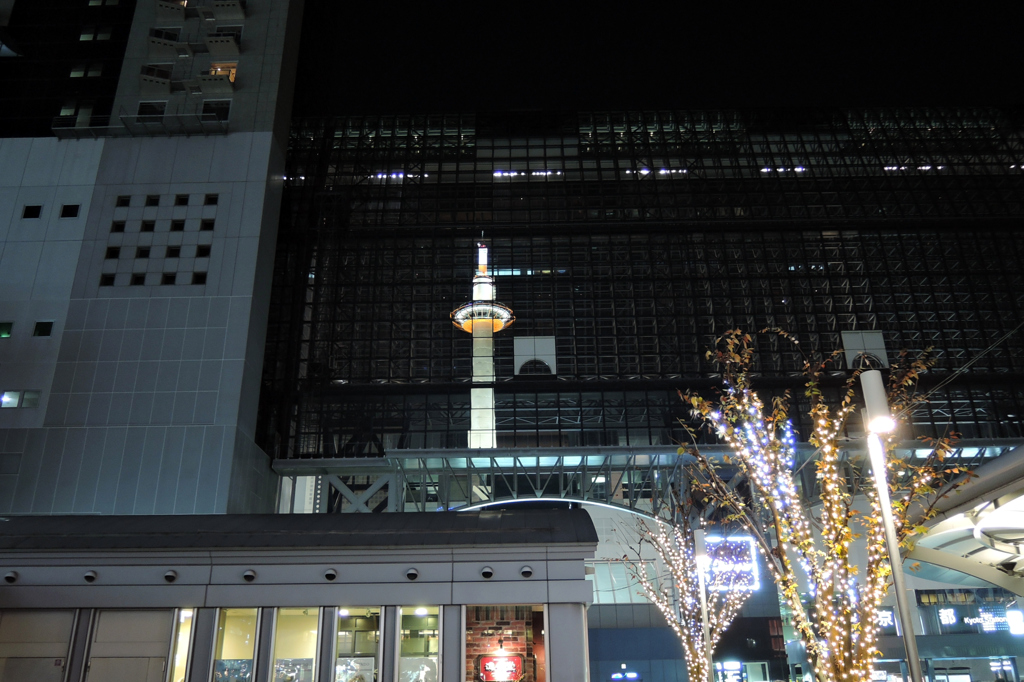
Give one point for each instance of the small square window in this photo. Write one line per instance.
(152, 200)
(10, 398)
(211, 199)
(148, 225)
(5, 329)
(30, 399)
(43, 329)
(168, 278)
(106, 280)
(203, 251)
(181, 200)
(177, 226)
(142, 252)
(198, 278)
(69, 211)
(95, 70)
(88, 33)
(138, 279)
(174, 252)
(78, 71)
(32, 212)
(206, 225)
(124, 200)
(95, 3)
(104, 32)
(113, 252)
(117, 226)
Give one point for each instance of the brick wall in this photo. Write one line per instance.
(512, 626)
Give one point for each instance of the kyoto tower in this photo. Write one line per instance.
(483, 318)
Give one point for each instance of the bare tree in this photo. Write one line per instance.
(724, 592)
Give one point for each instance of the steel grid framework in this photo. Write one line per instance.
(634, 240)
(648, 481)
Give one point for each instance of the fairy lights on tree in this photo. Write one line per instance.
(725, 590)
(838, 625)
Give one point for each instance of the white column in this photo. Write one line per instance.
(566, 639)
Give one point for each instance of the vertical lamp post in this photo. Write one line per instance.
(700, 553)
(880, 421)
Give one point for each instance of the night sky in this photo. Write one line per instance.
(375, 57)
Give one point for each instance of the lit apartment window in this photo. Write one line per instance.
(224, 69)
(69, 108)
(216, 109)
(5, 329)
(88, 33)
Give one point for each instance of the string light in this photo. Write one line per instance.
(838, 626)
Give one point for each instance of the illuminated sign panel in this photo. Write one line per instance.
(500, 668)
(732, 564)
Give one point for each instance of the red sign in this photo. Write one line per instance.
(500, 668)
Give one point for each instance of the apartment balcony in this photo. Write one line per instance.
(161, 49)
(170, 11)
(155, 80)
(222, 45)
(222, 11)
(210, 84)
(77, 128)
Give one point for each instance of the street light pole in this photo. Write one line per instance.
(701, 555)
(880, 421)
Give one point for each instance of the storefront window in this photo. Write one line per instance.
(295, 644)
(420, 641)
(236, 645)
(358, 645)
(181, 642)
(505, 644)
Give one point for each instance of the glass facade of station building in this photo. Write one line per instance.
(625, 243)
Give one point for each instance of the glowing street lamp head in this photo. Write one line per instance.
(878, 420)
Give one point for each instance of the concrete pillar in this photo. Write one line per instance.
(566, 639)
(452, 650)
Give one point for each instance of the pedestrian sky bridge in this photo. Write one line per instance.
(643, 480)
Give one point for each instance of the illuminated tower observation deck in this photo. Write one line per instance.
(483, 318)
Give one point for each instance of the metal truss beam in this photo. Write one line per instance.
(643, 480)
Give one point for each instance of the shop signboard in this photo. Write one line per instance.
(507, 668)
(732, 565)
